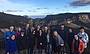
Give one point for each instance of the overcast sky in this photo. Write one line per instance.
(43, 7)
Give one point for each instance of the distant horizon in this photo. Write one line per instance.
(42, 16)
(45, 15)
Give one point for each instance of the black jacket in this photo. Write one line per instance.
(28, 38)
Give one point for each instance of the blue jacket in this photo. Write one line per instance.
(10, 45)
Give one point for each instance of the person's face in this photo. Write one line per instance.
(62, 27)
(27, 25)
(70, 30)
(19, 29)
(46, 28)
(11, 28)
(55, 33)
(38, 27)
(76, 37)
(81, 30)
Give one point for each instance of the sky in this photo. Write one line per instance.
(43, 7)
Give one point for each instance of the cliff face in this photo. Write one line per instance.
(7, 20)
(69, 19)
(77, 19)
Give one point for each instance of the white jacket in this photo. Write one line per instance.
(85, 37)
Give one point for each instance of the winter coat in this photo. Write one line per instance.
(84, 37)
(28, 38)
(10, 45)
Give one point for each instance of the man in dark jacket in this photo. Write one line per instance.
(63, 33)
(36, 34)
(29, 39)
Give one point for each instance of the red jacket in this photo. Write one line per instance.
(81, 46)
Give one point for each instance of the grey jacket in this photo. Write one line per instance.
(59, 40)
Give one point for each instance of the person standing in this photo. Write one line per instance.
(70, 37)
(47, 40)
(10, 41)
(28, 39)
(20, 39)
(63, 33)
(75, 45)
(84, 36)
(59, 43)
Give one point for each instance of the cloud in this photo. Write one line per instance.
(31, 10)
(80, 3)
(45, 8)
(4, 1)
(14, 11)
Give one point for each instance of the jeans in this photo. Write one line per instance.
(49, 49)
(30, 50)
(11, 52)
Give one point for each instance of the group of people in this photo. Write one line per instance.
(45, 38)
